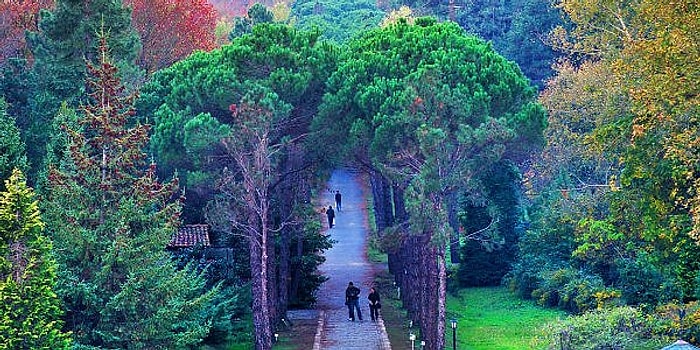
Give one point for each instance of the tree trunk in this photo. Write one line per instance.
(452, 208)
(410, 279)
(284, 271)
(381, 193)
(400, 216)
(442, 297)
(261, 319)
(273, 301)
(429, 291)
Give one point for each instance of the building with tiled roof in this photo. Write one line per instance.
(191, 236)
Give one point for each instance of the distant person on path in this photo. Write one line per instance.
(352, 300)
(338, 201)
(331, 216)
(374, 304)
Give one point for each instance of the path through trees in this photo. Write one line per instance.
(345, 262)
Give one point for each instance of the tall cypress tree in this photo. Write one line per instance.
(111, 220)
(30, 310)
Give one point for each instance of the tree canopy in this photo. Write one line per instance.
(190, 106)
(430, 108)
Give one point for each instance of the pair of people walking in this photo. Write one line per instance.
(352, 300)
(330, 213)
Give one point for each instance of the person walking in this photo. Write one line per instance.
(352, 300)
(331, 216)
(374, 304)
(338, 201)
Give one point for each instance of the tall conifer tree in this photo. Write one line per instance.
(30, 310)
(112, 220)
(68, 35)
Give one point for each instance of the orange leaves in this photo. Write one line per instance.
(171, 30)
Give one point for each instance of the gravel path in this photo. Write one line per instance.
(345, 262)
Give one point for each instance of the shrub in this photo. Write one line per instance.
(573, 290)
(679, 321)
(612, 328)
(642, 282)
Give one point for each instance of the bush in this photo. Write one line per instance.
(613, 328)
(524, 276)
(679, 321)
(574, 291)
(642, 282)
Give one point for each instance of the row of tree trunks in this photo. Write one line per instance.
(422, 281)
(417, 263)
(291, 191)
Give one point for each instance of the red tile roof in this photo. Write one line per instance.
(190, 236)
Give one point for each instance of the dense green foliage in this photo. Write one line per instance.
(615, 204)
(12, 152)
(257, 14)
(395, 81)
(518, 29)
(111, 220)
(492, 228)
(30, 310)
(338, 21)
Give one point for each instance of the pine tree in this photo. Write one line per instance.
(111, 219)
(30, 310)
(67, 35)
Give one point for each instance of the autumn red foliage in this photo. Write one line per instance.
(172, 29)
(17, 16)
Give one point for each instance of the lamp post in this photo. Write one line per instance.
(412, 338)
(422, 345)
(454, 334)
(277, 336)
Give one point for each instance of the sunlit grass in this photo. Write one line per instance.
(494, 319)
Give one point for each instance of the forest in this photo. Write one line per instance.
(548, 146)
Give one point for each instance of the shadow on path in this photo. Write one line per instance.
(345, 262)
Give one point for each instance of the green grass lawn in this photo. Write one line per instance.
(494, 319)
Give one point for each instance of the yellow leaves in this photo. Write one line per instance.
(606, 297)
(403, 13)
(638, 131)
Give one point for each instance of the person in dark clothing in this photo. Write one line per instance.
(331, 216)
(338, 200)
(352, 300)
(374, 304)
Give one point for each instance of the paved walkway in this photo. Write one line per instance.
(345, 262)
